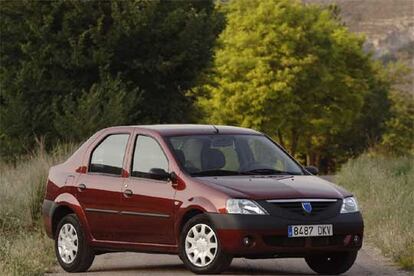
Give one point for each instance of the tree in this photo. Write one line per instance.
(107, 103)
(291, 70)
(53, 53)
(367, 129)
(398, 137)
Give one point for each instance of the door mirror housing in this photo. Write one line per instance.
(312, 169)
(173, 177)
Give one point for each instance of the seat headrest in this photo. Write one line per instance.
(212, 159)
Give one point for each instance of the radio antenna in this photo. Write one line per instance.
(215, 129)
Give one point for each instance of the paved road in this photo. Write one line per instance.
(369, 262)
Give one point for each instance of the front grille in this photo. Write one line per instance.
(318, 207)
(283, 241)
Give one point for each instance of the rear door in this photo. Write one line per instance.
(99, 190)
(147, 203)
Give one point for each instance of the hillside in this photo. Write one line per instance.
(387, 24)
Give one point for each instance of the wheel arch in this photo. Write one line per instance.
(60, 212)
(189, 214)
(190, 208)
(66, 204)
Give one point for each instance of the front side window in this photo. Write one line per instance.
(148, 158)
(209, 155)
(108, 156)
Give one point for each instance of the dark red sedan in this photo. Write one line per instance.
(208, 193)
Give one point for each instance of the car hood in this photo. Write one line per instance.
(275, 187)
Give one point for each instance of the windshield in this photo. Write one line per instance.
(215, 155)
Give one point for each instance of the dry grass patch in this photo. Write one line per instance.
(25, 249)
(384, 187)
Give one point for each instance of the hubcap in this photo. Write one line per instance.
(201, 245)
(67, 243)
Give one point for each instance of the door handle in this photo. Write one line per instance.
(128, 193)
(81, 187)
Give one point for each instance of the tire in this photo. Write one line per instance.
(199, 234)
(72, 250)
(333, 263)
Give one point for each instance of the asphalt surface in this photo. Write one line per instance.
(369, 262)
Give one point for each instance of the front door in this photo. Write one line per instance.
(100, 189)
(147, 202)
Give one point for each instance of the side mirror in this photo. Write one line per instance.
(173, 177)
(312, 169)
(159, 174)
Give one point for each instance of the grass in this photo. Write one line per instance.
(26, 253)
(384, 187)
(25, 249)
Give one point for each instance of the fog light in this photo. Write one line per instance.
(247, 241)
(357, 239)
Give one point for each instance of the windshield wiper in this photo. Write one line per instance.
(215, 173)
(249, 172)
(267, 172)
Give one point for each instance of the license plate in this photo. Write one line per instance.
(320, 230)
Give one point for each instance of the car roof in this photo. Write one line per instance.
(191, 129)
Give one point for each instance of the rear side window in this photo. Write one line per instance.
(148, 156)
(108, 156)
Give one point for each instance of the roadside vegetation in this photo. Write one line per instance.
(289, 69)
(25, 249)
(385, 192)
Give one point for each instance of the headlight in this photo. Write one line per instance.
(349, 205)
(244, 206)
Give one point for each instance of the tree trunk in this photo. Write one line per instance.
(295, 139)
(308, 152)
(317, 159)
(280, 137)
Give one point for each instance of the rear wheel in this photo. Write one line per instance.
(332, 263)
(72, 251)
(200, 249)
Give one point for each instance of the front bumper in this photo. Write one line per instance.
(267, 235)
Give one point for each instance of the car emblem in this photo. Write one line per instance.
(307, 207)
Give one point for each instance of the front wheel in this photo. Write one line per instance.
(332, 263)
(72, 250)
(200, 248)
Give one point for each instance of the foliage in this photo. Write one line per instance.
(106, 104)
(398, 138)
(295, 72)
(291, 70)
(66, 53)
(399, 135)
(384, 189)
